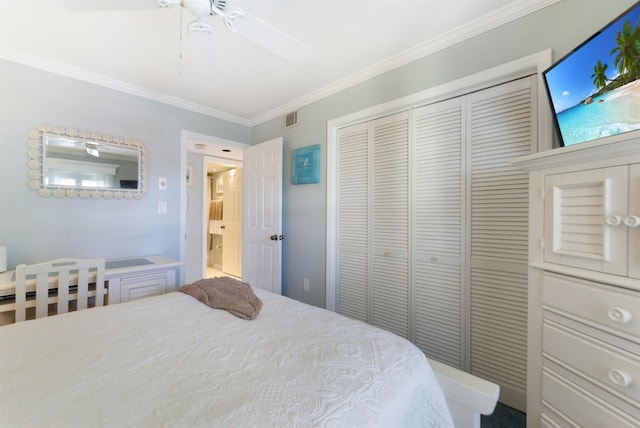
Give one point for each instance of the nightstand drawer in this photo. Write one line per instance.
(604, 365)
(606, 307)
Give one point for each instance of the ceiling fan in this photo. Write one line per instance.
(235, 19)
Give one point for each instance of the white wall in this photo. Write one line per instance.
(37, 229)
(560, 27)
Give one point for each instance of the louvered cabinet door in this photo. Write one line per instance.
(353, 222)
(438, 227)
(390, 224)
(584, 219)
(501, 126)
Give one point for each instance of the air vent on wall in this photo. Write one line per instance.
(290, 119)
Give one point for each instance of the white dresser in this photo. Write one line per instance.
(135, 278)
(583, 366)
(125, 279)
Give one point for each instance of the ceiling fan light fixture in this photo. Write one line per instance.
(200, 27)
(218, 6)
(236, 20)
(164, 4)
(231, 17)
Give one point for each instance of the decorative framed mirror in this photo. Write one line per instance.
(85, 164)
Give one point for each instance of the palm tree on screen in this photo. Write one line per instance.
(627, 53)
(599, 78)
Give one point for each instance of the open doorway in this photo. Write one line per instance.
(196, 152)
(224, 218)
(261, 246)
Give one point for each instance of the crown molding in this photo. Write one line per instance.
(478, 26)
(118, 85)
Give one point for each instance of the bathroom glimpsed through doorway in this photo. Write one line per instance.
(224, 231)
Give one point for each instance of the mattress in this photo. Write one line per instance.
(170, 360)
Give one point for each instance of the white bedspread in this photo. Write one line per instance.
(172, 361)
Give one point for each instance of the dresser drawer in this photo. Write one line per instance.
(606, 307)
(610, 368)
(561, 397)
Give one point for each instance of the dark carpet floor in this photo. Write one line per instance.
(504, 417)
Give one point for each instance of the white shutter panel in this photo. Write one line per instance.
(576, 206)
(390, 234)
(501, 126)
(438, 221)
(353, 221)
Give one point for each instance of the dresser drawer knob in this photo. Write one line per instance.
(613, 220)
(619, 315)
(620, 377)
(632, 221)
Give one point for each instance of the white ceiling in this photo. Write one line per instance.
(229, 77)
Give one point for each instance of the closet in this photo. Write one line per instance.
(432, 225)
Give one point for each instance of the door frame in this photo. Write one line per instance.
(205, 145)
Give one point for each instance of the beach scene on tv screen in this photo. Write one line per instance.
(596, 90)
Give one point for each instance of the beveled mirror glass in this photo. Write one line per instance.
(79, 163)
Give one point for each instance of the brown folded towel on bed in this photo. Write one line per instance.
(226, 293)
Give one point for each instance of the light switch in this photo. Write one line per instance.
(162, 183)
(162, 207)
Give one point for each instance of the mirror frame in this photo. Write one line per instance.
(36, 166)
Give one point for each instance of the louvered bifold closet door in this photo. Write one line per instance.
(501, 126)
(438, 227)
(390, 228)
(353, 222)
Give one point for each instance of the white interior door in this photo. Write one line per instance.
(262, 208)
(232, 221)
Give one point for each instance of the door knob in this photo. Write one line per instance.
(274, 237)
(222, 227)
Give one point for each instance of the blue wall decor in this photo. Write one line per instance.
(306, 165)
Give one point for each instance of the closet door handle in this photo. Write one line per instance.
(222, 227)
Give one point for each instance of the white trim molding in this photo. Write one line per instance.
(117, 85)
(478, 26)
(511, 12)
(207, 146)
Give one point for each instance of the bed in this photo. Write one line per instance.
(170, 360)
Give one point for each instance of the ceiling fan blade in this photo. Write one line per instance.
(269, 37)
(105, 5)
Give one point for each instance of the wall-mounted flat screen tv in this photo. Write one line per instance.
(595, 89)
